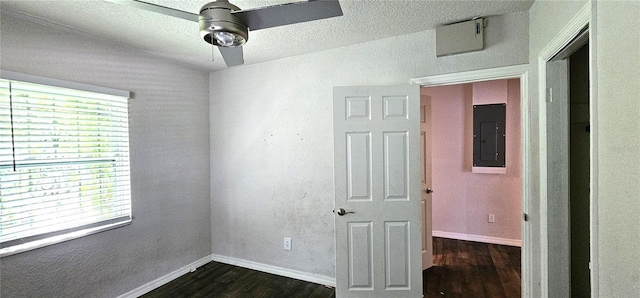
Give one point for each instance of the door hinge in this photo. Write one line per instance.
(550, 95)
(525, 216)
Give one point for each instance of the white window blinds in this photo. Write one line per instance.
(64, 161)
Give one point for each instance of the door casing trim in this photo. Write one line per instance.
(581, 20)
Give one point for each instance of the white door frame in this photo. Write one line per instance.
(557, 44)
(508, 72)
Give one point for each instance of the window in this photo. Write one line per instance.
(64, 161)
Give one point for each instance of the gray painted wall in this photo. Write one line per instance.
(272, 166)
(169, 141)
(615, 62)
(617, 47)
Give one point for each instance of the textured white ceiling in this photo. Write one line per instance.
(179, 40)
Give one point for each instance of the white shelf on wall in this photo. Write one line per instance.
(489, 170)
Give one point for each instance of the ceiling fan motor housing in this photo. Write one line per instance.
(216, 17)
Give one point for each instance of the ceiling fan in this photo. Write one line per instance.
(226, 26)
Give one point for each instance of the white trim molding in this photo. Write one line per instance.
(506, 72)
(489, 170)
(478, 238)
(158, 282)
(301, 275)
(593, 185)
(557, 44)
(568, 33)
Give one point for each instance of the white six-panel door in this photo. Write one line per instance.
(377, 176)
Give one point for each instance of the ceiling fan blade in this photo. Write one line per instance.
(291, 13)
(158, 9)
(232, 56)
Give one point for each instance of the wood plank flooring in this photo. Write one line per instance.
(461, 269)
(227, 281)
(472, 269)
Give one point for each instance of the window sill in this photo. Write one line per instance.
(19, 248)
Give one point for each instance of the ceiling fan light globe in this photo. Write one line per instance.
(227, 39)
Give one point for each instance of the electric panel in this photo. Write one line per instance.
(489, 135)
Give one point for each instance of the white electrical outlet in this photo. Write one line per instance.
(492, 218)
(287, 243)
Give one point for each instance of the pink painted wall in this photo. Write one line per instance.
(462, 200)
(490, 92)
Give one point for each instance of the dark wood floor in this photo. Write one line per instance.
(472, 269)
(461, 269)
(222, 280)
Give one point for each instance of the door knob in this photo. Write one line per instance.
(429, 190)
(342, 212)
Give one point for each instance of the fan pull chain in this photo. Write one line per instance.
(213, 47)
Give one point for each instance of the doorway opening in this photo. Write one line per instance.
(479, 205)
(520, 73)
(474, 203)
(568, 168)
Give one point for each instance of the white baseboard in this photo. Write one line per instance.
(478, 238)
(310, 277)
(154, 284)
